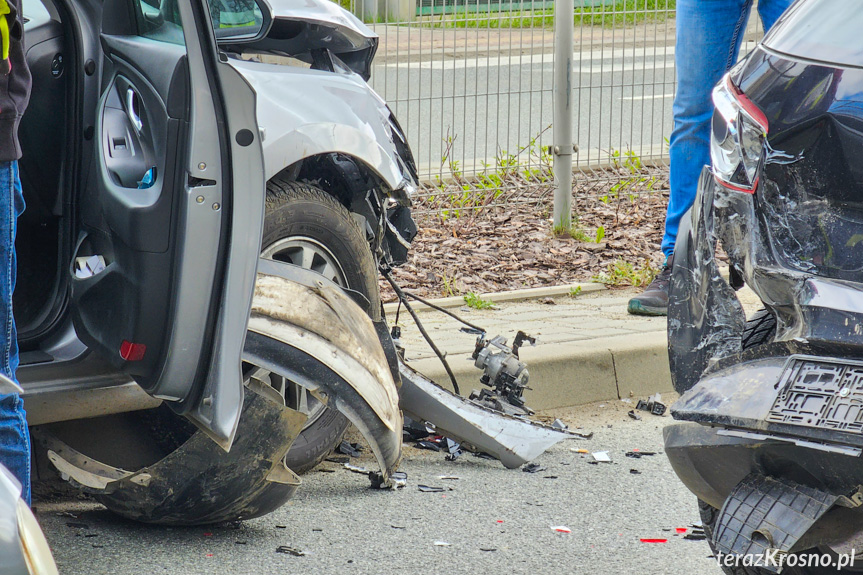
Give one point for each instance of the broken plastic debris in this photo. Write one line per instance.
(454, 449)
(431, 446)
(635, 472)
(356, 469)
(561, 528)
(635, 454)
(449, 477)
(558, 424)
(533, 468)
(442, 544)
(487, 549)
(601, 456)
(634, 415)
(86, 267)
(654, 540)
(430, 489)
(681, 529)
(653, 404)
(398, 526)
(290, 551)
(349, 449)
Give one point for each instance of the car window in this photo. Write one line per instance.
(235, 17)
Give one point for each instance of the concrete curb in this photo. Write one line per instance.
(575, 373)
(504, 296)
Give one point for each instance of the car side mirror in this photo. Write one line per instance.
(239, 21)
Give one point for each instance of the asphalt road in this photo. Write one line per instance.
(622, 100)
(493, 519)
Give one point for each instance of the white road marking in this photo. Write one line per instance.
(656, 97)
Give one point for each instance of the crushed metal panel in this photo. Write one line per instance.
(513, 440)
(315, 335)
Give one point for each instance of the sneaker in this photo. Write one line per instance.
(654, 299)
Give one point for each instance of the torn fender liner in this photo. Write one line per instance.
(199, 483)
(765, 513)
(513, 440)
(320, 339)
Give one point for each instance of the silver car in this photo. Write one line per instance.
(211, 188)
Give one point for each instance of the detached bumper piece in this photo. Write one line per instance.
(763, 514)
(306, 329)
(513, 440)
(199, 483)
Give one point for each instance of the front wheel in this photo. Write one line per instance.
(307, 227)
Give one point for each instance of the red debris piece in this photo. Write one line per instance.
(654, 540)
(681, 529)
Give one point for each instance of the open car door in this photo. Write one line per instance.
(169, 220)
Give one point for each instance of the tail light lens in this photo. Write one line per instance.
(737, 139)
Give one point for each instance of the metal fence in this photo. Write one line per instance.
(471, 83)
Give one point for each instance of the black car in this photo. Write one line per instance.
(772, 436)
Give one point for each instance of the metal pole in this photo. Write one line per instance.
(564, 25)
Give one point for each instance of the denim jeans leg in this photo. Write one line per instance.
(14, 436)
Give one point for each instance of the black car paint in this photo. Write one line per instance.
(797, 242)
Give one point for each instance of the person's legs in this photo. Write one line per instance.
(14, 437)
(709, 33)
(771, 10)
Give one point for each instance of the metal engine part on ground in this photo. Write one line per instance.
(503, 372)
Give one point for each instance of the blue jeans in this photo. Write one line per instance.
(14, 437)
(709, 33)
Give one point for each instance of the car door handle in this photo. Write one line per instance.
(131, 110)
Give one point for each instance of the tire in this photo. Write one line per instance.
(304, 213)
(760, 329)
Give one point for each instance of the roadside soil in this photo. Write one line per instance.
(512, 246)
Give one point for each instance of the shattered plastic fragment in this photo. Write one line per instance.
(431, 446)
(533, 468)
(635, 472)
(558, 424)
(561, 529)
(487, 549)
(430, 489)
(442, 544)
(290, 551)
(634, 415)
(356, 469)
(601, 456)
(350, 449)
(681, 529)
(654, 540)
(635, 454)
(450, 477)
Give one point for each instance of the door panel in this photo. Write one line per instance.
(156, 278)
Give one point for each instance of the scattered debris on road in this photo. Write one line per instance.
(442, 544)
(533, 468)
(636, 454)
(653, 404)
(634, 415)
(561, 528)
(349, 449)
(290, 551)
(430, 489)
(601, 457)
(645, 540)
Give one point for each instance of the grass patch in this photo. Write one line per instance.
(574, 291)
(617, 13)
(623, 273)
(473, 300)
